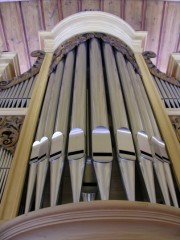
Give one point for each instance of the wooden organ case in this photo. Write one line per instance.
(97, 156)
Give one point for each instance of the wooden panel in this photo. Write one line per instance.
(153, 24)
(22, 21)
(97, 220)
(170, 33)
(88, 5)
(14, 32)
(69, 7)
(133, 13)
(112, 6)
(2, 45)
(51, 13)
(3, 41)
(32, 25)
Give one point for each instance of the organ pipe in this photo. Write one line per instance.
(77, 135)
(121, 130)
(101, 153)
(139, 134)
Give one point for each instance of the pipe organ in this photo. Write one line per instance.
(96, 136)
(96, 112)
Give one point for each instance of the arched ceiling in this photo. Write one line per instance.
(20, 22)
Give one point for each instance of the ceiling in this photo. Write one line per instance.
(20, 22)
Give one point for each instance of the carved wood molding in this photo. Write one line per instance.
(63, 49)
(10, 127)
(175, 120)
(27, 75)
(155, 71)
(97, 220)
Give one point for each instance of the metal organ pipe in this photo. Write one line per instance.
(140, 136)
(59, 139)
(101, 138)
(77, 134)
(35, 152)
(160, 157)
(154, 144)
(162, 147)
(122, 133)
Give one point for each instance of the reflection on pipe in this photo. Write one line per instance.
(101, 139)
(123, 137)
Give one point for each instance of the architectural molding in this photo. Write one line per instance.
(92, 21)
(13, 111)
(173, 111)
(173, 68)
(96, 220)
(9, 65)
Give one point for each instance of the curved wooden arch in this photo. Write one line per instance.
(92, 21)
(97, 220)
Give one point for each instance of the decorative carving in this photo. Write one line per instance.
(175, 120)
(30, 73)
(63, 49)
(9, 131)
(155, 71)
